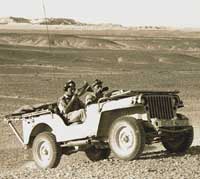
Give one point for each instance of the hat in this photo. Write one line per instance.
(68, 84)
(97, 82)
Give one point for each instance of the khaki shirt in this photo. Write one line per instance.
(92, 98)
(63, 102)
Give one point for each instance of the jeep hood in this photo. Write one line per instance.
(118, 94)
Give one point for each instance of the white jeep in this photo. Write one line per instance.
(123, 123)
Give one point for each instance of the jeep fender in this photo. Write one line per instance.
(108, 117)
(33, 126)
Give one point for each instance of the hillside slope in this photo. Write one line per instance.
(63, 41)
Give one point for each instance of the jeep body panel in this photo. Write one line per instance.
(75, 131)
(62, 131)
(119, 104)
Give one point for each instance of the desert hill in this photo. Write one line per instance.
(58, 40)
(42, 21)
(69, 21)
(49, 21)
(9, 20)
(69, 33)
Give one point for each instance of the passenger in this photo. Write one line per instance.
(97, 93)
(70, 106)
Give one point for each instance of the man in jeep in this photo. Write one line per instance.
(97, 92)
(70, 106)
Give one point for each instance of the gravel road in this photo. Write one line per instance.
(17, 163)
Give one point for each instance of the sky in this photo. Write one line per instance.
(175, 13)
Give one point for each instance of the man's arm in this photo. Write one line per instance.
(89, 99)
(62, 105)
(65, 105)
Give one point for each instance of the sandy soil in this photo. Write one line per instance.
(31, 74)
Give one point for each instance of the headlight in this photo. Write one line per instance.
(174, 102)
(143, 101)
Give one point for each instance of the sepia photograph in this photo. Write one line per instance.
(94, 89)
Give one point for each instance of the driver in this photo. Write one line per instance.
(70, 106)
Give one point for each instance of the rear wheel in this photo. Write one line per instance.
(127, 138)
(178, 143)
(46, 151)
(96, 154)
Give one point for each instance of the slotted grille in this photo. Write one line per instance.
(160, 106)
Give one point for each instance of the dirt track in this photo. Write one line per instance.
(153, 165)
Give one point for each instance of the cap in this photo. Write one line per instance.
(69, 83)
(97, 82)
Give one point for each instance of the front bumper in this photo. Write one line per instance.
(160, 123)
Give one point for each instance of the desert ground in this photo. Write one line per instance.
(32, 71)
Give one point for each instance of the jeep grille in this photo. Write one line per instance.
(160, 106)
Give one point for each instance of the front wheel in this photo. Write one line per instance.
(96, 154)
(127, 138)
(46, 152)
(178, 143)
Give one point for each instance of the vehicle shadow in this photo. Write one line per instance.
(194, 150)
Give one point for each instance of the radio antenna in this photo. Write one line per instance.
(48, 36)
(46, 23)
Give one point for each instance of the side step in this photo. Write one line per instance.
(78, 142)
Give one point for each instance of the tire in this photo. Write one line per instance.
(95, 154)
(178, 143)
(46, 152)
(127, 138)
